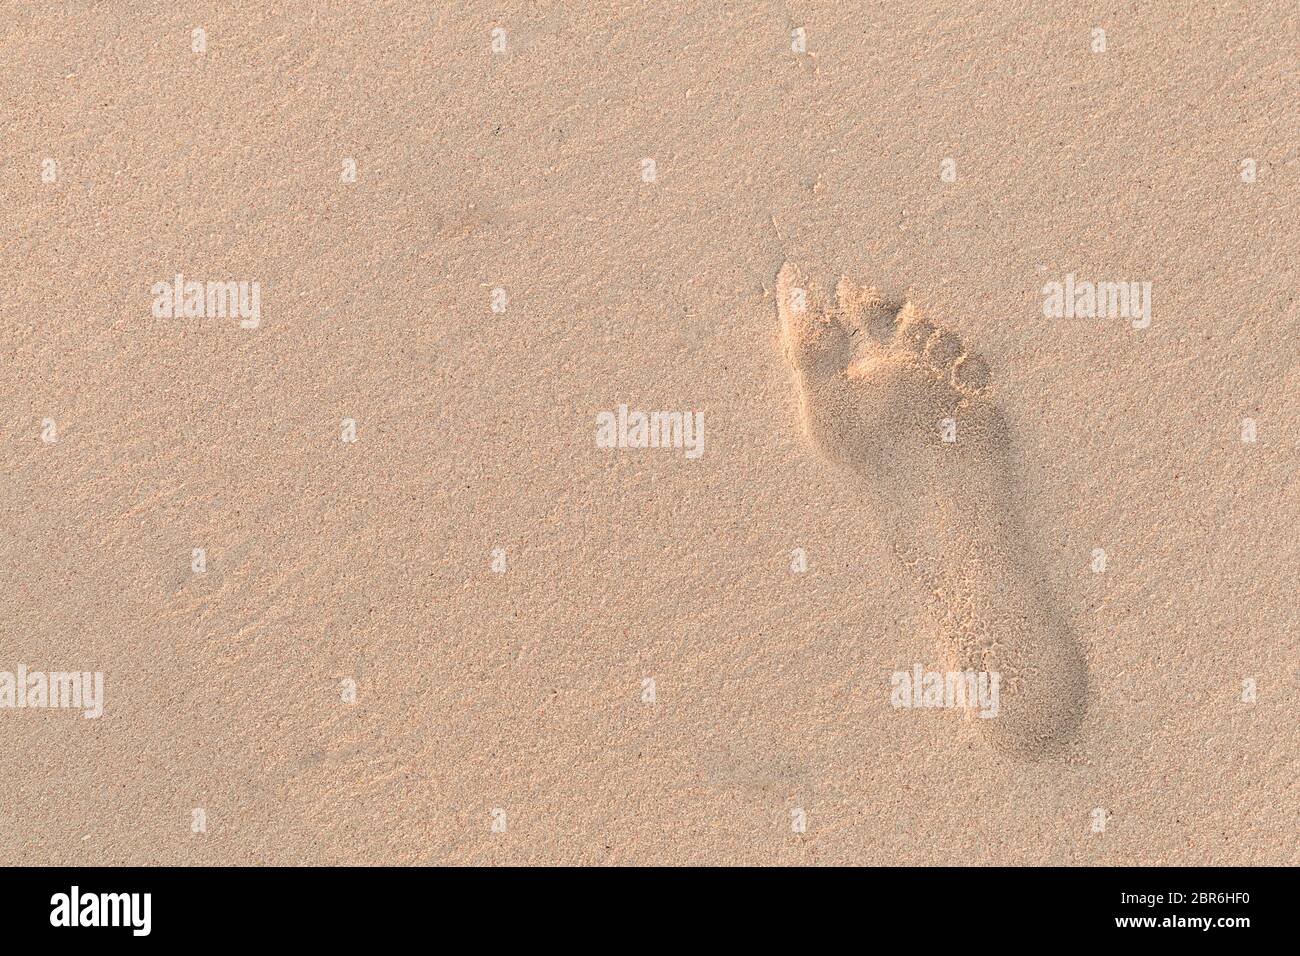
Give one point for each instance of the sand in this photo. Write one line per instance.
(435, 621)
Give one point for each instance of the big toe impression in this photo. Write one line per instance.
(815, 341)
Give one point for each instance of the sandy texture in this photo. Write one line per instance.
(371, 561)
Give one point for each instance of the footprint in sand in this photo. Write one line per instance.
(905, 409)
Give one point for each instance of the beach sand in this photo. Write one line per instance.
(474, 636)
